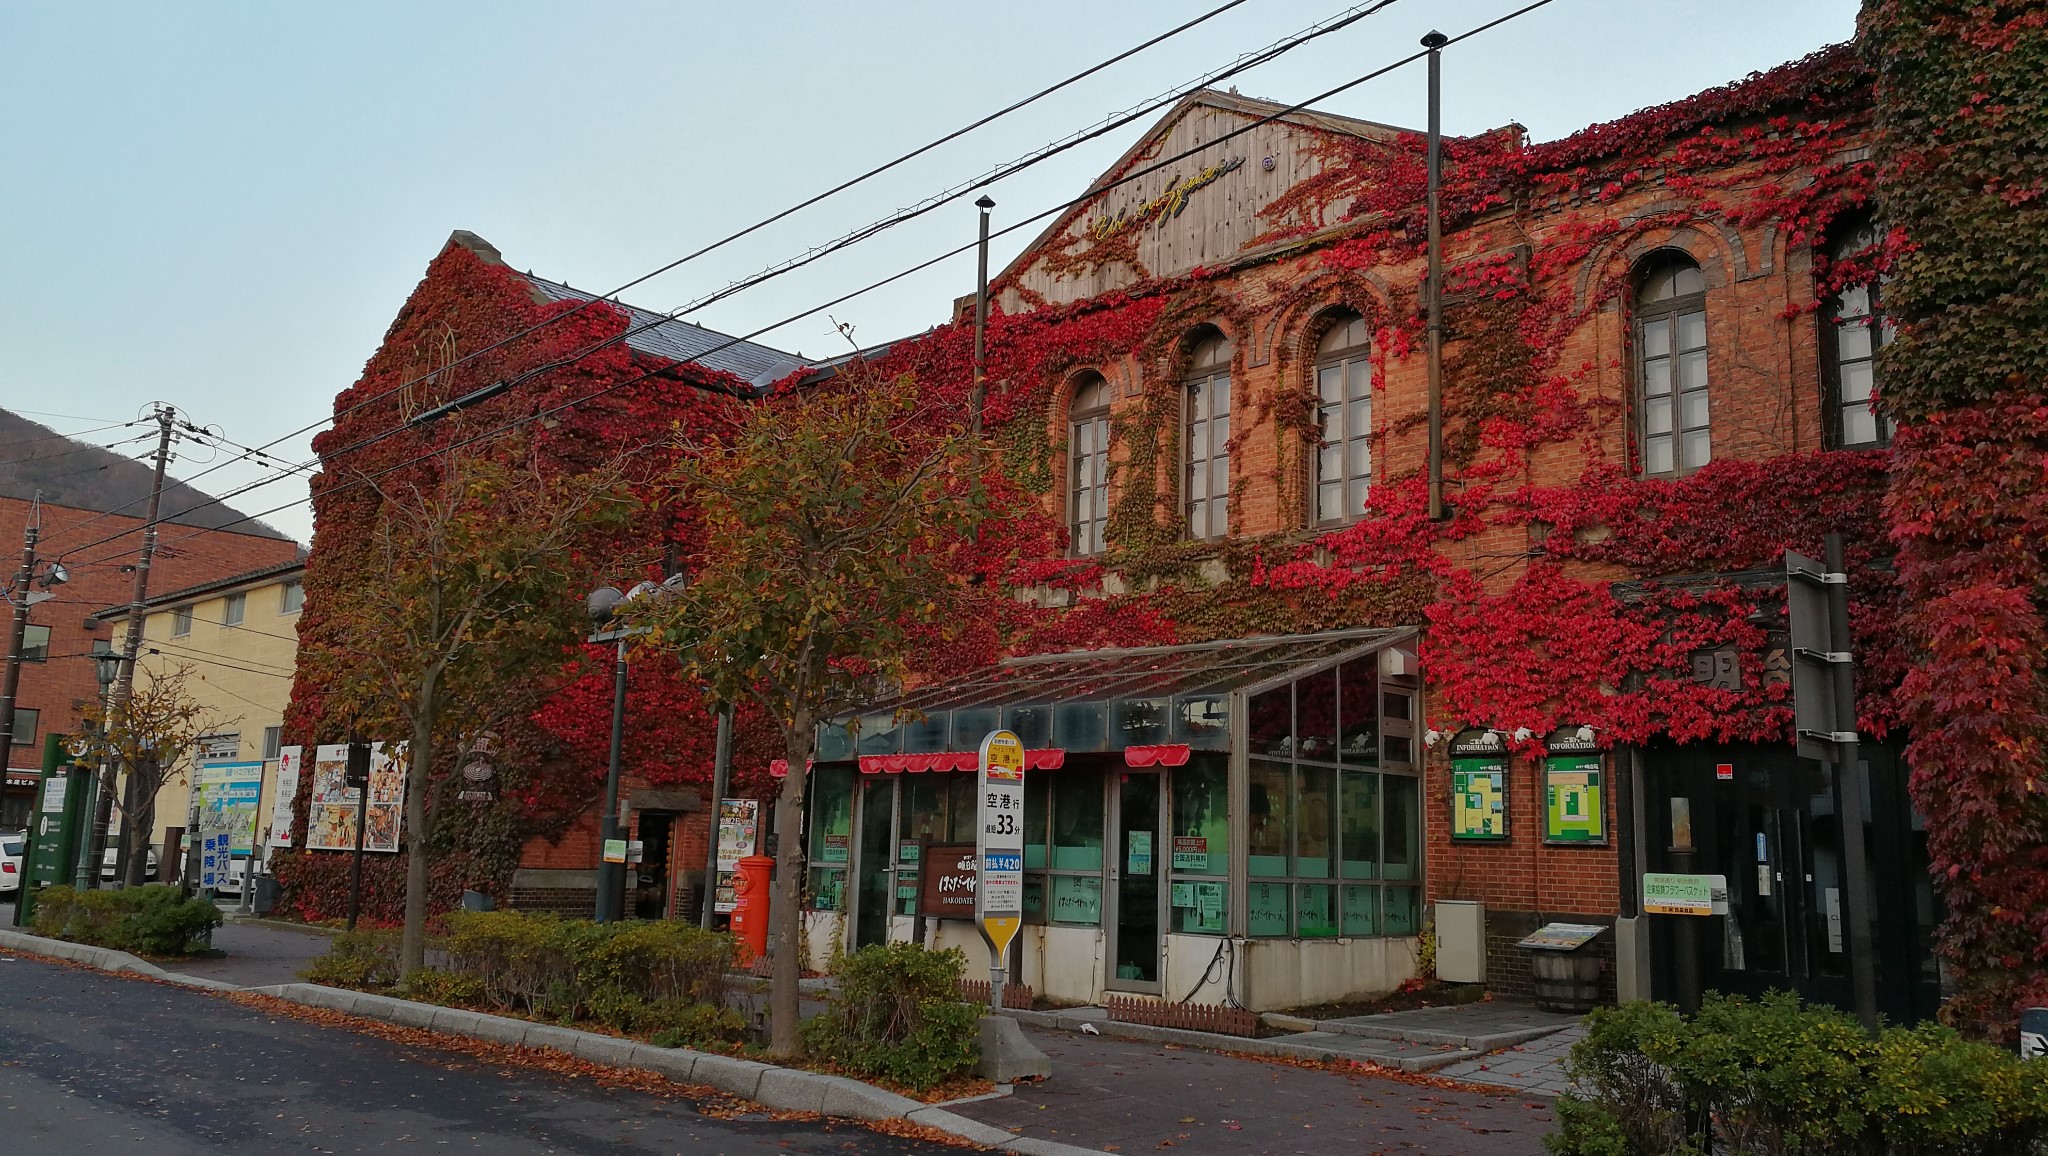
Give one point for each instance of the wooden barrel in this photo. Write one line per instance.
(1566, 980)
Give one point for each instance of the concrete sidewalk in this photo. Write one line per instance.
(1127, 1096)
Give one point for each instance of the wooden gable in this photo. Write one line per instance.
(1203, 210)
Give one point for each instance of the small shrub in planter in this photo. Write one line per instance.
(898, 1016)
(365, 958)
(152, 920)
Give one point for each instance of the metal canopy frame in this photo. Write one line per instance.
(1210, 673)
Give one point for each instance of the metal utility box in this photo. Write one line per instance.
(1460, 941)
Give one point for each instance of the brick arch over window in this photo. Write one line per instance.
(1337, 472)
(1205, 433)
(1087, 481)
(1719, 254)
(1853, 328)
(1668, 293)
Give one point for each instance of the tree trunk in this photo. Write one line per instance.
(412, 947)
(138, 817)
(787, 922)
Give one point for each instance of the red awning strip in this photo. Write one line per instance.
(1048, 759)
(1167, 755)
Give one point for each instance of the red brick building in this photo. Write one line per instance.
(58, 680)
(1658, 376)
(1291, 732)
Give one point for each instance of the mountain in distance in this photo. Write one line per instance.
(85, 476)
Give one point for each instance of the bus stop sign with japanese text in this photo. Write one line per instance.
(999, 898)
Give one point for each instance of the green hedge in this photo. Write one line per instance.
(898, 1016)
(151, 920)
(661, 979)
(1773, 1076)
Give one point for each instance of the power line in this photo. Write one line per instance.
(66, 436)
(762, 224)
(1092, 193)
(1249, 61)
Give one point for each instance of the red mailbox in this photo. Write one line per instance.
(750, 885)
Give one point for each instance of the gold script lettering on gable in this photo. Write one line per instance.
(1193, 211)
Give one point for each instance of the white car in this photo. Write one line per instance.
(112, 856)
(11, 847)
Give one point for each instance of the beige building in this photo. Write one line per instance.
(239, 637)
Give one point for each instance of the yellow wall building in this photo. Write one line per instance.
(239, 637)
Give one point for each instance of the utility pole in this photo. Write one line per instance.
(1435, 42)
(979, 393)
(18, 600)
(124, 687)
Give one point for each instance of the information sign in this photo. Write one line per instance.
(228, 793)
(1479, 786)
(1561, 936)
(999, 847)
(1574, 789)
(284, 796)
(1665, 894)
(946, 881)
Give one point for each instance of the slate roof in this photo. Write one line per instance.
(757, 365)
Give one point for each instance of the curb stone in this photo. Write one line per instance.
(783, 1089)
(103, 958)
(1239, 1045)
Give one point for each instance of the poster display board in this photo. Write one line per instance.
(1574, 789)
(284, 797)
(226, 819)
(739, 828)
(331, 812)
(1479, 786)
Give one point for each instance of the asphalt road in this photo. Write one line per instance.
(91, 1064)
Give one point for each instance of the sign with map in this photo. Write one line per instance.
(1479, 786)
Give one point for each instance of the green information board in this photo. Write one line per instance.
(1479, 786)
(1574, 789)
(54, 827)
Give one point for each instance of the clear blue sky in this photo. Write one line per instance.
(223, 205)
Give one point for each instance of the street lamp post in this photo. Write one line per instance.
(603, 606)
(107, 668)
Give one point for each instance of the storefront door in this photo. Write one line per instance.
(871, 896)
(1134, 865)
(1769, 822)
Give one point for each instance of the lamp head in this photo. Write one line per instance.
(56, 575)
(603, 603)
(107, 665)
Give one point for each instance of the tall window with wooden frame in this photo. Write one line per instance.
(1671, 366)
(1205, 452)
(1088, 465)
(1853, 329)
(1340, 464)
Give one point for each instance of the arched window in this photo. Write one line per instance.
(1206, 481)
(1853, 330)
(1671, 362)
(1342, 465)
(1088, 464)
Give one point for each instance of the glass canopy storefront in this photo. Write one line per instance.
(1262, 788)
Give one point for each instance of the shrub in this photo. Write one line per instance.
(898, 1016)
(429, 986)
(1772, 1076)
(658, 978)
(360, 959)
(150, 920)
